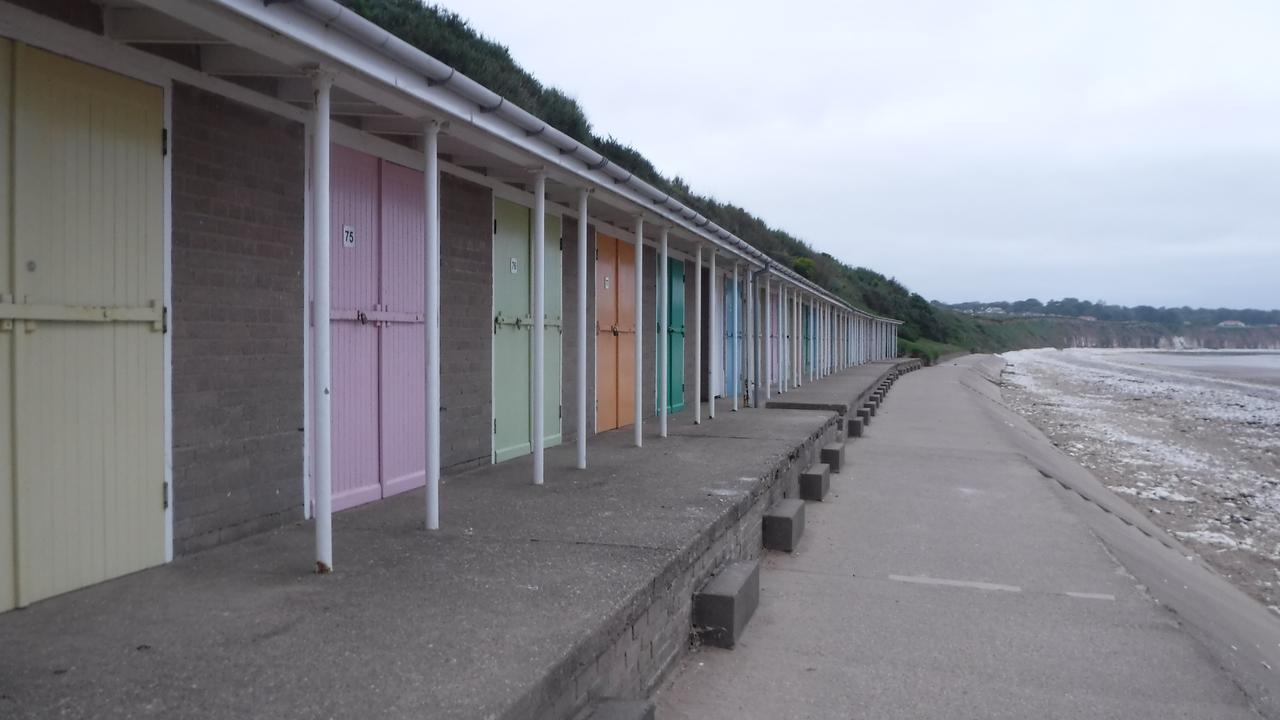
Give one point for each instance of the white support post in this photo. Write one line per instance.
(539, 322)
(737, 344)
(813, 341)
(798, 338)
(639, 356)
(697, 335)
(716, 362)
(751, 340)
(582, 327)
(825, 346)
(431, 317)
(768, 341)
(664, 363)
(322, 402)
(783, 330)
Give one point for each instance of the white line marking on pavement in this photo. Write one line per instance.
(1091, 596)
(922, 580)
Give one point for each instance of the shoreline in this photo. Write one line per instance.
(1190, 445)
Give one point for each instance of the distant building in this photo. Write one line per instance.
(993, 310)
(1088, 318)
(1231, 323)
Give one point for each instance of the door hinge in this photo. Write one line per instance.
(560, 412)
(164, 141)
(164, 498)
(495, 226)
(495, 426)
(561, 244)
(164, 320)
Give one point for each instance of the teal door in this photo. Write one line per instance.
(675, 335)
(513, 328)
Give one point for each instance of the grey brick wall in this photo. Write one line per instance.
(466, 323)
(237, 319)
(570, 377)
(649, 330)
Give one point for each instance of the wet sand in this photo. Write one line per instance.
(1191, 438)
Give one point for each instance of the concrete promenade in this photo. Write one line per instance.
(962, 568)
(531, 602)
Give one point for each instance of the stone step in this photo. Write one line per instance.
(615, 709)
(724, 606)
(833, 456)
(853, 426)
(815, 481)
(783, 525)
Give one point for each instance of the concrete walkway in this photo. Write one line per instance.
(947, 577)
(509, 611)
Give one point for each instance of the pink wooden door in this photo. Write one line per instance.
(403, 450)
(354, 252)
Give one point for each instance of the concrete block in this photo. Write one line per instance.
(864, 414)
(833, 456)
(815, 481)
(854, 426)
(783, 525)
(871, 407)
(614, 709)
(722, 608)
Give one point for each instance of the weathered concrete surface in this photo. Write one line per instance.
(952, 579)
(485, 618)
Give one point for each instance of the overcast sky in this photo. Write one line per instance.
(1114, 150)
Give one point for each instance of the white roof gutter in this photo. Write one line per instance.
(438, 74)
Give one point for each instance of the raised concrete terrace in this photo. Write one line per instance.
(531, 601)
(841, 392)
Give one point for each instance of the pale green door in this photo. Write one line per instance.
(511, 330)
(553, 273)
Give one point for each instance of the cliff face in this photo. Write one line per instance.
(1017, 333)
(1075, 333)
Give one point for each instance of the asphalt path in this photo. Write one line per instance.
(963, 568)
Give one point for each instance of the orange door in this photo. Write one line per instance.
(626, 304)
(615, 333)
(606, 333)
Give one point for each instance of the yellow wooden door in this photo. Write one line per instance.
(86, 344)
